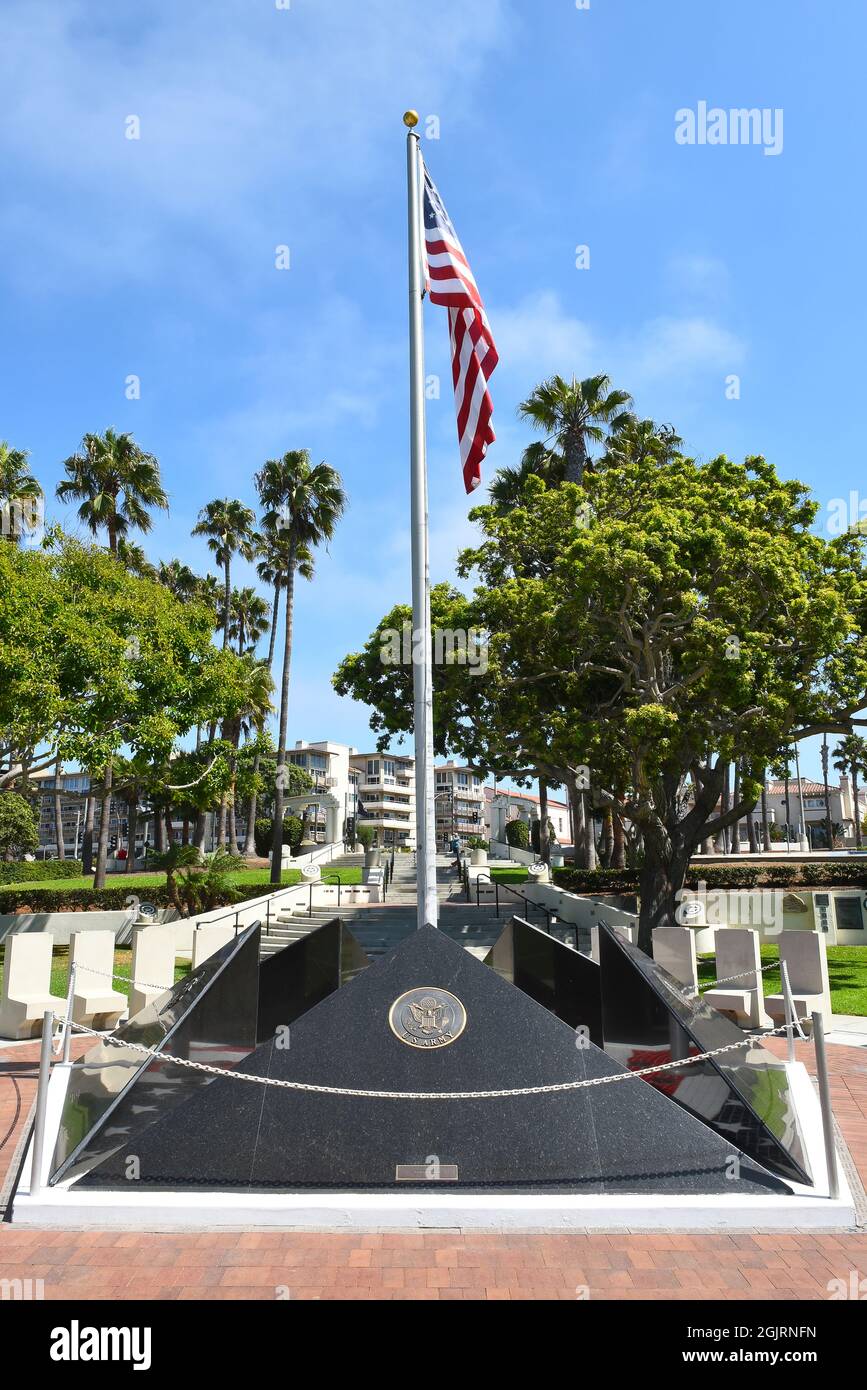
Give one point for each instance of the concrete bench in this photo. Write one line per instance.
(674, 950)
(95, 1002)
(628, 933)
(737, 953)
(27, 985)
(805, 955)
(208, 940)
(153, 964)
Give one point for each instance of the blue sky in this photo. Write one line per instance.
(262, 126)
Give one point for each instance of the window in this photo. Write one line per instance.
(463, 779)
(372, 767)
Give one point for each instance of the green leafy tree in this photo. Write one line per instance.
(117, 484)
(304, 502)
(19, 831)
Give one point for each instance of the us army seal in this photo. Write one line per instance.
(427, 1017)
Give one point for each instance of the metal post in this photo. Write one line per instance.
(825, 1102)
(41, 1103)
(789, 1007)
(422, 674)
(67, 1027)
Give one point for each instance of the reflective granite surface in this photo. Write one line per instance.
(743, 1094)
(304, 973)
(208, 1016)
(623, 1137)
(552, 973)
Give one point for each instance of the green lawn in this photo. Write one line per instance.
(847, 975)
(515, 873)
(122, 966)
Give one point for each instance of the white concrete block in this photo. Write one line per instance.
(27, 985)
(674, 950)
(95, 1002)
(208, 940)
(153, 963)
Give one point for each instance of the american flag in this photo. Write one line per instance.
(474, 357)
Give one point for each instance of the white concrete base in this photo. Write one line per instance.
(66, 1206)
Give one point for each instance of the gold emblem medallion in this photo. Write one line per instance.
(427, 1017)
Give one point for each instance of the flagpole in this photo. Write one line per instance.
(422, 673)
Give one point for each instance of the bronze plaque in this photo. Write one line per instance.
(427, 1017)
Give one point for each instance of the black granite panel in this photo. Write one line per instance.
(209, 1016)
(619, 1137)
(304, 973)
(743, 1094)
(552, 973)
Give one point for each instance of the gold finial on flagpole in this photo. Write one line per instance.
(410, 119)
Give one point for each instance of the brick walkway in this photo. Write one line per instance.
(272, 1265)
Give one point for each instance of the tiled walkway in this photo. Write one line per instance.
(269, 1265)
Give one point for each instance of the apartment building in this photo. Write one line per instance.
(386, 797)
(460, 805)
(351, 789)
(841, 802)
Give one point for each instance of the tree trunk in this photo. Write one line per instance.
(227, 599)
(87, 842)
(132, 828)
(58, 810)
(607, 837)
(618, 849)
(200, 831)
(857, 807)
(277, 844)
(575, 456)
(544, 838)
(170, 830)
(159, 831)
(751, 831)
(221, 824)
(829, 829)
(788, 810)
(250, 838)
(102, 842)
(274, 611)
(185, 833)
(766, 825)
(660, 881)
(735, 830)
(721, 843)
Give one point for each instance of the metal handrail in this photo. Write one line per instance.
(515, 894)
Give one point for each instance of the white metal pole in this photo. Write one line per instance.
(38, 1149)
(422, 673)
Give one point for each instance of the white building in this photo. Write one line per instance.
(353, 789)
(502, 806)
(386, 797)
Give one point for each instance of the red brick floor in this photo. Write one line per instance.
(274, 1265)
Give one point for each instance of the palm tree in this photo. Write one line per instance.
(304, 502)
(571, 413)
(274, 548)
(248, 619)
(507, 484)
(254, 708)
(229, 528)
(829, 829)
(851, 759)
(17, 488)
(641, 441)
(117, 484)
(133, 559)
(179, 579)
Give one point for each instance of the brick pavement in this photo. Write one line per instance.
(271, 1265)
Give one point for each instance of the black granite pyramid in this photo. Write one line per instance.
(469, 1030)
(208, 1016)
(743, 1094)
(552, 973)
(304, 973)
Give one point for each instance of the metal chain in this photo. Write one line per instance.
(127, 979)
(727, 979)
(427, 1095)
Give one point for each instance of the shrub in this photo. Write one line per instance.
(518, 834)
(477, 842)
(19, 827)
(264, 832)
(829, 873)
(365, 835)
(23, 872)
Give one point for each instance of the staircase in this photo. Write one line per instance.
(380, 926)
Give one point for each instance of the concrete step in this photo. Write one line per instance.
(379, 929)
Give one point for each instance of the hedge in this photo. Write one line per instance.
(828, 873)
(22, 871)
(89, 900)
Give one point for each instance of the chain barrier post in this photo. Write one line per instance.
(825, 1103)
(41, 1103)
(67, 1025)
(790, 1009)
